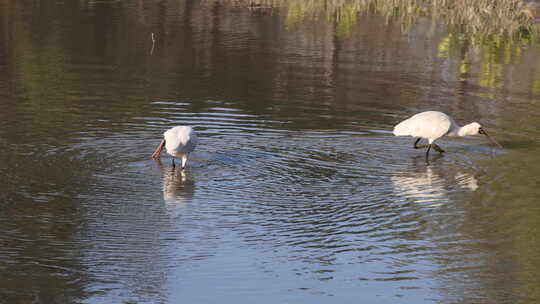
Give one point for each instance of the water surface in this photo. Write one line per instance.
(297, 192)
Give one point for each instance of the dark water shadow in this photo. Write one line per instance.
(519, 144)
(433, 158)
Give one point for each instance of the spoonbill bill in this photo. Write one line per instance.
(179, 142)
(433, 125)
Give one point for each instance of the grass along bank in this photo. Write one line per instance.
(512, 19)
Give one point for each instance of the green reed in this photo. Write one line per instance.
(477, 18)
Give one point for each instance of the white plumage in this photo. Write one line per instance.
(179, 142)
(432, 125)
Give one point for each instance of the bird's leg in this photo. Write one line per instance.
(427, 152)
(416, 146)
(184, 160)
(437, 148)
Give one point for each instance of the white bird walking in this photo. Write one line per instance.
(179, 142)
(433, 125)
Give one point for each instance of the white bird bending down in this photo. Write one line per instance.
(179, 142)
(433, 125)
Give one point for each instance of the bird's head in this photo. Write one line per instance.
(471, 129)
(475, 128)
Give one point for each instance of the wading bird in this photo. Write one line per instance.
(433, 125)
(179, 142)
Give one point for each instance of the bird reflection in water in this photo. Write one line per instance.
(178, 187)
(432, 183)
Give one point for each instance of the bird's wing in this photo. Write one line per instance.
(190, 142)
(180, 140)
(434, 125)
(429, 124)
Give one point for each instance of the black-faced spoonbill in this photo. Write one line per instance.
(433, 125)
(179, 142)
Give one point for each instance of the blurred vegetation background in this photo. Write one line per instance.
(478, 19)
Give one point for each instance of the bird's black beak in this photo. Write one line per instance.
(482, 131)
(157, 153)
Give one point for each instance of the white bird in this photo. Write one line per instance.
(433, 125)
(179, 142)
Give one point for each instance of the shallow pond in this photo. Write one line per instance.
(297, 192)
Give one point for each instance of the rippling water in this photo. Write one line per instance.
(297, 192)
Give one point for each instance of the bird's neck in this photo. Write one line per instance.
(459, 131)
(454, 130)
(465, 130)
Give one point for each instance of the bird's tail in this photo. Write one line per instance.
(401, 129)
